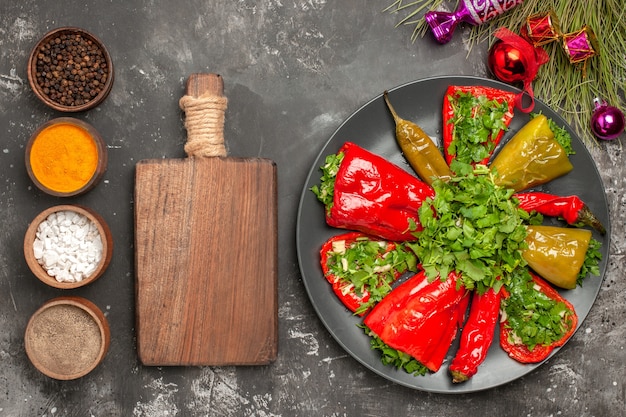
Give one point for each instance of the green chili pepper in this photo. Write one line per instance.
(419, 149)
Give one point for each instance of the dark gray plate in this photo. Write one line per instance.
(372, 128)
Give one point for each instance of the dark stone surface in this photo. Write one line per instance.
(293, 72)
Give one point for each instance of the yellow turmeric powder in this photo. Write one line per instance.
(64, 157)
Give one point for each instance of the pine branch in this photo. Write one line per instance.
(563, 86)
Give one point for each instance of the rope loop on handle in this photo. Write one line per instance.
(204, 121)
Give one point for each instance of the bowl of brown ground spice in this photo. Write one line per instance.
(70, 70)
(67, 338)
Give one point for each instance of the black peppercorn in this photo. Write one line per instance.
(70, 69)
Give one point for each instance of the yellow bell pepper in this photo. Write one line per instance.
(557, 253)
(532, 157)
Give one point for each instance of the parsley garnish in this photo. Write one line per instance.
(592, 261)
(476, 120)
(534, 318)
(471, 226)
(325, 190)
(394, 357)
(370, 265)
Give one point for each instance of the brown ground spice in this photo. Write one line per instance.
(65, 339)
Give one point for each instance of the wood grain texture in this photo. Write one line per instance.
(206, 261)
(206, 257)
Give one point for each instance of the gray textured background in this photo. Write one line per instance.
(294, 70)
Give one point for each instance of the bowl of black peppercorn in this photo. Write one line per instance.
(70, 70)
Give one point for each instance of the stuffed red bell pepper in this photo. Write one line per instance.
(415, 317)
(535, 319)
(365, 192)
(440, 350)
(474, 121)
(362, 268)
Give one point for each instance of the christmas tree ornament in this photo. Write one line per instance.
(512, 59)
(507, 62)
(607, 122)
(442, 24)
(542, 28)
(558, 81)
(580, 46)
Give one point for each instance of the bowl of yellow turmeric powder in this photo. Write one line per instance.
(68, 246)
(66, 157)
(70, 70)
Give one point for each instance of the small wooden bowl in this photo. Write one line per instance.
(51, 171)
(46, 78)
(40, 272)
(67, 338)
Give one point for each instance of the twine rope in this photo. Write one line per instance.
(204, 121)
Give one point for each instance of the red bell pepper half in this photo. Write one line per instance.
(420, 318)
(563, 322)
(474, 121)
(375, 196)
(477, 335)
(452, 327)
(571, 208)
(362, 268)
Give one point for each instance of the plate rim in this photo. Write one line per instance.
(453, 80)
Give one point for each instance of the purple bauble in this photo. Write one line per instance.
(607, 122)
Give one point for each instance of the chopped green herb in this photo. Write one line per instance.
(476, 120)
(371, 265)
(325, 190)
(592, 261)
(534, 318)
(471, 226)
(394, 357)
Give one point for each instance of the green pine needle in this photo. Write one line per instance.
(563, 86)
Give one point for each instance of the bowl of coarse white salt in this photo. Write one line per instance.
(68, 246)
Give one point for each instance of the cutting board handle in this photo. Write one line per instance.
(204, 105)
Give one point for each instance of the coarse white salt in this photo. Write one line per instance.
(68, 246)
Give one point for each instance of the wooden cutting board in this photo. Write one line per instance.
(206, 247)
